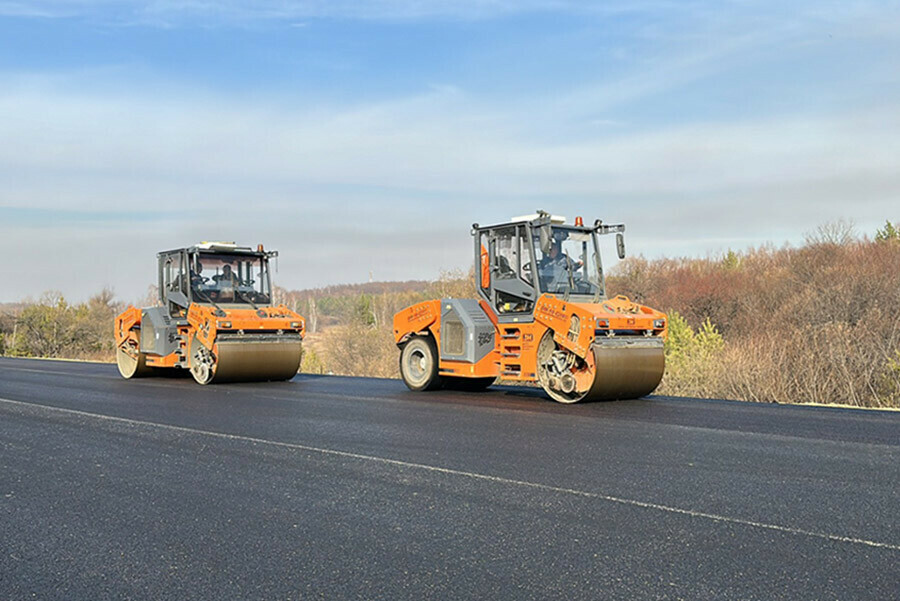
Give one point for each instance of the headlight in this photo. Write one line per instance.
(225, 325)
(295, 324)
(603, 323)
(659, 324)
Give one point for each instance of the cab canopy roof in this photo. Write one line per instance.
(557, 219)
(554, 219)
(225, 247)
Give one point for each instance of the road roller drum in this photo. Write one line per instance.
(247, 359)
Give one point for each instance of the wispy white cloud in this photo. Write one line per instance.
(440, 141)
(373, 187)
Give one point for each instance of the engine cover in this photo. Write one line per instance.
(467, 334)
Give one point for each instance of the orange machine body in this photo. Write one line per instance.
(541, 314)
(205, 326)
(214, 318)
(515, 349)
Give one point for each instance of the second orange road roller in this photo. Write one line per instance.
(216, 319)
(542, 315)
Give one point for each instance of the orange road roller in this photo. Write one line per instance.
(216, 319)
(542, 315)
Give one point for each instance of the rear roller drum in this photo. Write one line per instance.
(419, 364)
(132, 364)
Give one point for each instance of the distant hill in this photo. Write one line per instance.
(364, 288)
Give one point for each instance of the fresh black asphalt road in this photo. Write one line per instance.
(351, 488)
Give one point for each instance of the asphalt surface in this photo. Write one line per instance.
(351, 488)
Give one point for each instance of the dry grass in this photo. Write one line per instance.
(818, 324)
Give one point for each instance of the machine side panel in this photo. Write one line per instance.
(572, 323)
(127, 325)
(467, 333)
(416, 318)
(159, 332)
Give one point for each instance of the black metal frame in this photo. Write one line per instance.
(188, 255)
(529, 228)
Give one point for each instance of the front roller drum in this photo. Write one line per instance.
(248, 359)
(629, 370)
(623, 368)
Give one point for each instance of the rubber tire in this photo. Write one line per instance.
(467, 384)
(425, 349)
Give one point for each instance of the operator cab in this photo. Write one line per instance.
(229, 278)
(538, 254)
(571, 266)
(214, 273)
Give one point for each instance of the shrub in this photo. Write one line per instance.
(692, 366)
(358, 349)
(889, 233)
(51, 327)
(890, 383)
(311, 362)
(816, 323)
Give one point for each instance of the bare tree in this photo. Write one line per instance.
(840, 232)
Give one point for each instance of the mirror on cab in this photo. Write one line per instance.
(620, 245)
(546, 238)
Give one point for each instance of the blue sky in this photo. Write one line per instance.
(363, 137)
